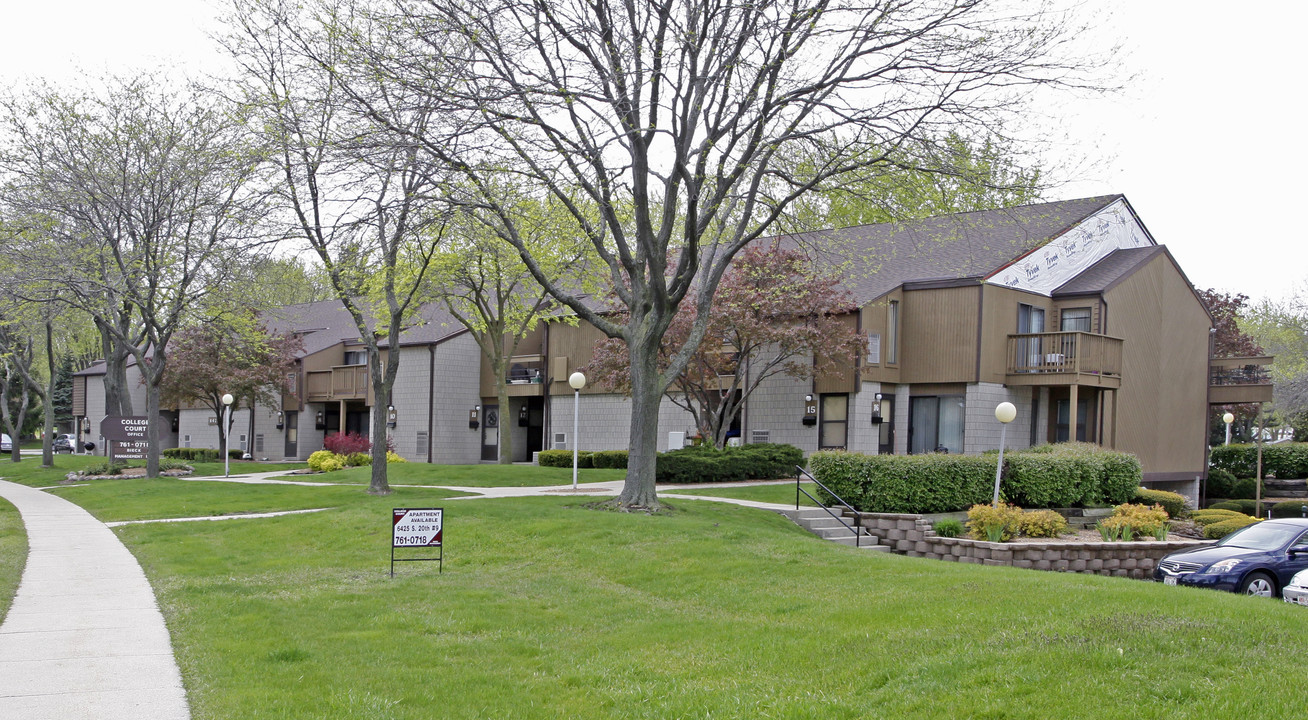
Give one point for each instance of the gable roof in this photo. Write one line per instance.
(970, 245)
(1113, 268)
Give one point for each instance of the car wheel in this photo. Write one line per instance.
(1259, 584)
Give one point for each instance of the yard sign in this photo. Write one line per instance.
(417, 527)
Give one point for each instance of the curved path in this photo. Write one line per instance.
(84, 637)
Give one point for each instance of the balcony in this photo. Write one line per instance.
(343, 382)
(1064, 358)
(1239, 380)
(526, 376)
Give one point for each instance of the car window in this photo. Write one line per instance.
(1301, 541)
(1261, 536)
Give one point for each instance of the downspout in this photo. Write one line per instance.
(249, 442)
(1208, 409)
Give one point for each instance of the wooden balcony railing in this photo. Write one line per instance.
(1239, 380)
(1064, 352)
(343, 382)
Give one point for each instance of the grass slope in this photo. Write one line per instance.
(548, 609)
(782, 493)
(13, 554)
(492, 475)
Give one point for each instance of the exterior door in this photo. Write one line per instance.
(292, 435)
(833, 434)
(490, 432)
(1030, 319)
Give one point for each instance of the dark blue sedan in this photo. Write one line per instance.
(1258, 559)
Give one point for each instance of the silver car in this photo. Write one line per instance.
(1297, 591)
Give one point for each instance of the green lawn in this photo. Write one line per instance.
(548, 609)
(783, 494)
(29, 471)
(473, 475)
(13, 554)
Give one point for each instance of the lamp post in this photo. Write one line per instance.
(1228, 418)
(577, 381)
(1005, 412)
(227, 440)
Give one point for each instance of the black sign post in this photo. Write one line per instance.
(417, 527)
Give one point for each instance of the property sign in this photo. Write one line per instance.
(417, 528)
(126, 436)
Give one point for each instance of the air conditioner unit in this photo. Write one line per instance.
(733, 442)
(535, 457)
(759, 436)
(676, 440)
(560, 441)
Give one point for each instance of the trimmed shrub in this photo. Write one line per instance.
(358, 459)
(1131, 520)
(906, 483)
(1173, 503)
(948, 527)
(996, 524)
(1210, 516)
(1226, 527)
(166, 464)
(320, 460)
(347, 443)
(1289, 508)
(1227, 505)
(235, 454)
(1244, 489)
(391, 457)
(610, 459)
(755, 461)
(1220, 483)
(1043, 524)
(563, 459)
(192, 454)
(104, 468)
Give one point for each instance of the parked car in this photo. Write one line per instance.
(6, 444)
(1297, 590)
(64, 443)
(1258, 559)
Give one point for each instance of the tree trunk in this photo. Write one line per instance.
(117, 396)
(381, 393)
(152, 420)
(47, 447)
(646, 395)
(502, 397)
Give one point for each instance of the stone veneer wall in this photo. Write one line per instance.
(912, 535)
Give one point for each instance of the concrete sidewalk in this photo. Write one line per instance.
(84, 637)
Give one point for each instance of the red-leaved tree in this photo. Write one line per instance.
(218, 357)
(1230, 341)
(774, 314)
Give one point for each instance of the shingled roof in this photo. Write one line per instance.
(947, 247)
(1107, 272)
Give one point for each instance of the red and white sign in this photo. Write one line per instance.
(416, 527)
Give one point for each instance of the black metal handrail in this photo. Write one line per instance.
(858, 517)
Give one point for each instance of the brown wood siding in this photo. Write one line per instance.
(939, 335)
(998, 321)
(1163, 413)
(79, 396)
(577, 344)
(874, 321)
(845, 377)
(1092, 302)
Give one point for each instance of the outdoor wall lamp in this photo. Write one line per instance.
(473, 421)
(281, 419)
(876, 409)
(390, 416)
(810, 410)
(522, 416)
(318, 423)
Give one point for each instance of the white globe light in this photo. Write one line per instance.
(577, 381)
(227, 399)
(1005, 412)
(1228, 418)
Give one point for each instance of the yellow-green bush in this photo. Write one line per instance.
(321, 460)
(1173, 503)
(358, 459)
(1043, 524)
(1131, 520)
(1226, 527)
(1210, 516)
(996, 524)
(391, 457)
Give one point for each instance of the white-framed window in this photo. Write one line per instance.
(1075, 320)
(892, 332)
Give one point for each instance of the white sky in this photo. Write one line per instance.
(1204, 142)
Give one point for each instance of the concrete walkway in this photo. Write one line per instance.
(84, 637)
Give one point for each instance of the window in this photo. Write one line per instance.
(935, 424)
(1030, 320)
(1076, 320)
(356, 357)
(873, 348)
(835, 422)
(892, 333)
(290, 382)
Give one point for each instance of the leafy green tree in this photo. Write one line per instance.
(1280, 328)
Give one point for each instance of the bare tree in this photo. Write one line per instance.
(140, 199)
(358, 198)
(676, 132)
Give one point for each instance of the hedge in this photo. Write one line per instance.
(1289, 508)
(610, 459)
(1283, 460)
(1226, 527)
(1244, 489)
(755, 461)
(563, 458)
(194, 454)
(1049, 476)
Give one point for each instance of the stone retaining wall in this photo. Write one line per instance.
(912, 535)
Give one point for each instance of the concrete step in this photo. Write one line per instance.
(810, 513)
(836, 532)
(866, 543)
